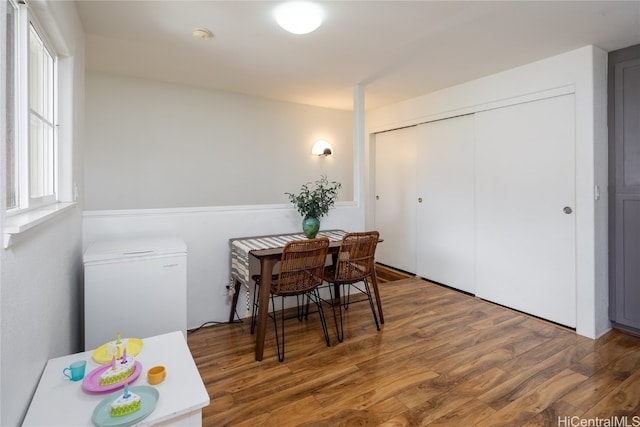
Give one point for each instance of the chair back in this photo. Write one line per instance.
(356, 257)
(301, 266)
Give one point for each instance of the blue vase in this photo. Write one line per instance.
(310, 226)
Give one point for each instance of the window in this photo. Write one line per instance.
(32, 112)
(38, 165)
(10, 104)
(41, 119)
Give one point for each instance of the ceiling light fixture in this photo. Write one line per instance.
(299, 17)
(201, 33)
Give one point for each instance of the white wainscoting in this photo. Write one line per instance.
(206, 232)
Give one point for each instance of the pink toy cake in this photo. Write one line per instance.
(120, 370)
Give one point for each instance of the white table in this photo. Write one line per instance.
(61, 402)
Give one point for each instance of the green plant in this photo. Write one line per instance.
(316, 198)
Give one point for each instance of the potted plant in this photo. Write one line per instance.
(313, 202)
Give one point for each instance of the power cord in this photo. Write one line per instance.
(214, 322)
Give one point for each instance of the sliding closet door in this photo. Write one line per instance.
(525, 208)
(445, 177)
(395, 190)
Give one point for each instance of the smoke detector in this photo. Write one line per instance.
(201, 33)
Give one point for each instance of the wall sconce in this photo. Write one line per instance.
(322, 148)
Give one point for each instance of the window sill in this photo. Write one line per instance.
(21, 222)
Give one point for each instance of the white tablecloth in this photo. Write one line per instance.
(242, 247)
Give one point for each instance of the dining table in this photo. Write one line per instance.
(268, 251)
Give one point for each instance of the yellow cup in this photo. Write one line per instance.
(156, 375)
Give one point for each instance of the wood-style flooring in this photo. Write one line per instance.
(442, 358)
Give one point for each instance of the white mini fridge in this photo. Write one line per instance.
(135, 286)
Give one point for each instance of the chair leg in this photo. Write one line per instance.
(275, 324)
(274, 315)
(254, 309)
(339, 326)
(323, 321)
(373, 310)
(347, 296)
(367, 291)
(300, 308)
(312, 295)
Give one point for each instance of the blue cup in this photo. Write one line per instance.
(76, 369)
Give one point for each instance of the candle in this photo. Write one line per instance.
(118, 340)
(124, 356)
(126, 390)
(113, 363)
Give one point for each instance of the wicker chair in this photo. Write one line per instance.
(301, 271)
(352, 267)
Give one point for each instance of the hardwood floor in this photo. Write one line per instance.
(442, 358)
(388, 274)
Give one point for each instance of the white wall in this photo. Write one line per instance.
(158, 145)
(41, 271)
(582, 71)
(234, 157)
(207, 229)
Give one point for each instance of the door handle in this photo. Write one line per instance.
(567, 210)
(419, 199)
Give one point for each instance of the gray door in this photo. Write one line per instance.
(624, 181)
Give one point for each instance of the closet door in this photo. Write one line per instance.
(445, 210)
(395, 193)
(624, 184)
(525, 208)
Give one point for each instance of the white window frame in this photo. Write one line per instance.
(25, 201)
(45, 167)
(31, 211)
(11, 104)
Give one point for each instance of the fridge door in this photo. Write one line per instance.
(139, 290)
(116, 249)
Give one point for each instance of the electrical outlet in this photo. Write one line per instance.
(228, 290)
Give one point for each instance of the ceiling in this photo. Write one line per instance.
(395, 49)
